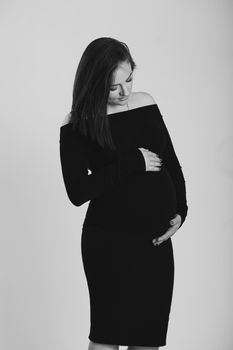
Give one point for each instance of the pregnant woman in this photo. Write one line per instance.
(137, 199)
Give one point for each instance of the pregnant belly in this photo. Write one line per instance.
(144, 203)
(151, 198)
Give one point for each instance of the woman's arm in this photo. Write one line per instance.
(171, 162)
(74, 156)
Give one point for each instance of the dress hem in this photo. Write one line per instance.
(126, 343)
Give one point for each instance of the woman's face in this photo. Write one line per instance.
(121, 87)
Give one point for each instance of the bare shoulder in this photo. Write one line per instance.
(142, 99)
(66, 119)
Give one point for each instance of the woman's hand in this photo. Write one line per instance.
(152, 160)
(175, 222)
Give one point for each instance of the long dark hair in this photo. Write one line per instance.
(91, 87)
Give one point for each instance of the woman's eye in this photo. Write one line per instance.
(128, 81)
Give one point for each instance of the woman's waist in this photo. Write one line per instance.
(139, 191)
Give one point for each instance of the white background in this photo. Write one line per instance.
(183, 50)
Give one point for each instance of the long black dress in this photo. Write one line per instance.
(130, 280)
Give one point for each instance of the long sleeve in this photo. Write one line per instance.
(171, 162)
(74, 156)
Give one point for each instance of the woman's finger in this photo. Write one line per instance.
(155, 162)
(170, 232)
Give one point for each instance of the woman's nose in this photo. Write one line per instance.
(124, 91)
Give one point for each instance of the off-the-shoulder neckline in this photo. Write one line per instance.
(132, 109)
(126, 111)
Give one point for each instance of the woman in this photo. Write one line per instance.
(137, 199)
